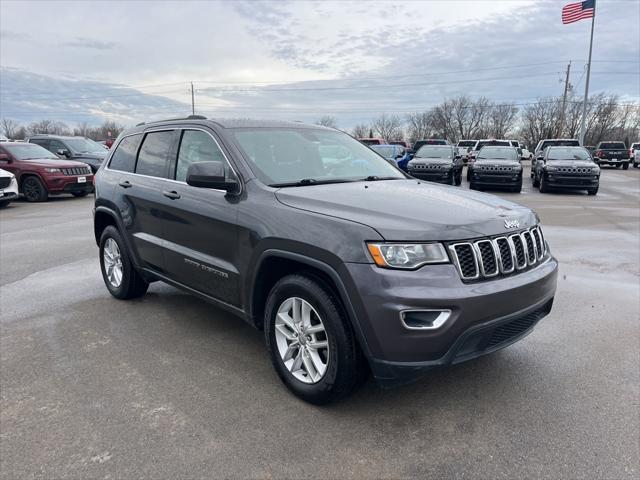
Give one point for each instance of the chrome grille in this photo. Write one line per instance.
(76, 171)
(428, 166)
(573, 170)
(489, 257)
(493, 168)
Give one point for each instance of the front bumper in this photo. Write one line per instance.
(438, 176)
(496, 180)
(577, 182)
(69, 184)
(399, 355)
(608, 161)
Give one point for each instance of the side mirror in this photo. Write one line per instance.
(210, 175)
(4, 158)
(539, 157)
(64, 152)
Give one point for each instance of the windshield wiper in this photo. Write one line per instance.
(310, 181)
(375, 178)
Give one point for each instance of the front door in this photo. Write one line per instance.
(200, 225)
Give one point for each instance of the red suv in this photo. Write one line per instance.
(40, 173)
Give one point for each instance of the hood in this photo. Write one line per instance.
(50, 162)
(499, 162)
(410, 210)
(572, 164)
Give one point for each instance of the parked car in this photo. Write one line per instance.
(8, 187)
(526, 154)
(395, 154)
(373, 141)
(497, 167)
(80, 149)
(554, 142)
(40, 173)
(484, 143)
(636, 156)
(632, 151)
(436, 163)
(464, 147)
(402, 143)
(612, 153)
(341, 267)
(566, 168)
(3, 138)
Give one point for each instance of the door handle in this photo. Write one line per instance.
(173, 195)
(126, 184)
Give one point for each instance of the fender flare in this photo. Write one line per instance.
(331, 273)
(121, 229)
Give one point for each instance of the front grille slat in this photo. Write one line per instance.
(489, 257)
(76, 171)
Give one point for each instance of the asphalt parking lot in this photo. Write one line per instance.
(170, 387)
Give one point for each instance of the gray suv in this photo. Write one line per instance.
(347, 264)
(79, 149)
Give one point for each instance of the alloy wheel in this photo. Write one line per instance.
(302, 340)
(112, 262)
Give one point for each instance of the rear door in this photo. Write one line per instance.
(143, 204)
(200, 227)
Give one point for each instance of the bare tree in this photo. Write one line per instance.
(82, 129)
(502, 119)
(9, 127)
(327, 121)
(419, 125)
(361, 131)
(388, 127)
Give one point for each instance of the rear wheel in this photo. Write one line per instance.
(34, 190)
(118, 272)
(312, 345)
(625, 166)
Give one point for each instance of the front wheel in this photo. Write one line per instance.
(312, 345)
(544, 188)
(459, 178)
(34, 190)
(518, 187)
(5, 203)
(118, 272)
(536, 181)
(593, 191)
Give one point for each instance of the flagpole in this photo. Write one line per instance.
(583, 132)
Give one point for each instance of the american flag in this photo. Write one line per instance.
(577, 11)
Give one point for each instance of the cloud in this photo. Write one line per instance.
(83, 42)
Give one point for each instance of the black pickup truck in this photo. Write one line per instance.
(612, 153)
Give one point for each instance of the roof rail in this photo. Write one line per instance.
(190, 117)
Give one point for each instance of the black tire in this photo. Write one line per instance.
(346, 366)
(452, 180)
(518, 187)
(468, 174)
(34, 190)
(618, 165)
(544, 188)
(459, 178)
(4, 203)
(635, 165)
(593, 191)
(473, 186)
(625, 166)
(133, 285)
(536, 181)
(79, 194)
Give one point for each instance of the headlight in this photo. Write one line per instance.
(407, 256)
(52, 170)
(517, 168)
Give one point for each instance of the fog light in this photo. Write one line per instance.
(424, 319)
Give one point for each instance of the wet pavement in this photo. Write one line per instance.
(168, 386)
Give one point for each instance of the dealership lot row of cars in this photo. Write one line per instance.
(52, 164)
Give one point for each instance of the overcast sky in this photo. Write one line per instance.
(298, 60)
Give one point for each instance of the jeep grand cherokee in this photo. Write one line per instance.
(347, 264)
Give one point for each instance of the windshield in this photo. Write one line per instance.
(84, 145)
(387, 151)
(280, 156)
(27, 151)
(568, 153)
(466, 143)
(559, 143)
(420, 143)
(612, 145)
(432, 151)
(498, 143)
(498, 153)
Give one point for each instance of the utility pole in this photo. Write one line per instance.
(193, 101)
(583, 122)
(564, 101)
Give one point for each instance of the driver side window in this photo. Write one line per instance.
(197, 146)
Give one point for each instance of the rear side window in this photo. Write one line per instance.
(154, 154)
(44, 143)
(56, 145)
(124, 158)
(197, 146)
